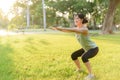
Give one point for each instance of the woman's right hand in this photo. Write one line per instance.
(54, 28)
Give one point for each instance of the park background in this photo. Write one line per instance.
(29, 50)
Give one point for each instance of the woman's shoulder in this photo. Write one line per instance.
(84, 28)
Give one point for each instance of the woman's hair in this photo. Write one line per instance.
(82, 16)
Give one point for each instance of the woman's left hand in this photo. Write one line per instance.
(55, 28)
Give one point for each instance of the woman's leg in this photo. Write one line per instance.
(91, 53)
(87, 64)
(75, 56)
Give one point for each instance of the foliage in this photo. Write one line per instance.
(108, 23)
(3, 20)
(11, 27)
(19, 21)
(97, 9)
(117, 16)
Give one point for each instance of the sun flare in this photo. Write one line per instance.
(5, 5)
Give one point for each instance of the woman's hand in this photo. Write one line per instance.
(55, 28)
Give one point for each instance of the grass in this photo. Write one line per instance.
(47, 57)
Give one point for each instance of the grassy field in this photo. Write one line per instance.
(47, 57)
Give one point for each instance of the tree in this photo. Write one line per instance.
(98, 8)
(19, 12)
(3, 20)
(36, 14)
(117, 16)
(108, 21)
(71, 7)
(19, 21)
(11, 27)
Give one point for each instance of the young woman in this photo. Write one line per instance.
(89, 48)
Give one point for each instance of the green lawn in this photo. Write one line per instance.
(47, 57)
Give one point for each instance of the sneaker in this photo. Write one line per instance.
(89, 77)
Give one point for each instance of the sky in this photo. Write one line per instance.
(6, 4)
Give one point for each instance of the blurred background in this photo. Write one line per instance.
(37, 15)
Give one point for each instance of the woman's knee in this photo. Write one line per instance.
(77, 54)
(73, 56)
(84, 59)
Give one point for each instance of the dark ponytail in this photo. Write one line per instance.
(85, 21)
(82, 16)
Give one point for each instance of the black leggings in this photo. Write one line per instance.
(84, 55)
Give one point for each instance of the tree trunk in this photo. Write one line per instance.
(95, 25)
(108, 21)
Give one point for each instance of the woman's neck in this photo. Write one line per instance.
(80, 25)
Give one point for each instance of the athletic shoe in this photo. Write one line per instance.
(89, 77)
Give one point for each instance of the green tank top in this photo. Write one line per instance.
(85, 42)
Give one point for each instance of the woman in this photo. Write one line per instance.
(89, 48)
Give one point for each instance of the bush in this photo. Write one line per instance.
(12, 27)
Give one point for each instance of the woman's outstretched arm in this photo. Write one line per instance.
(76, 30)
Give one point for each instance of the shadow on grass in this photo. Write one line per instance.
(44, 42)
(31, 44)
(6, 63)
(29, 40)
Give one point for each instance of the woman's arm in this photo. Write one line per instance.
(76, 30)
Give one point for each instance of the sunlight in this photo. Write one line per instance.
(5, 5)
(5, 33)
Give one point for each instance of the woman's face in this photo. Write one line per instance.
(77, 20)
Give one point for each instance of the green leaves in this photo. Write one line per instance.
(3, 20)
(97, 9)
